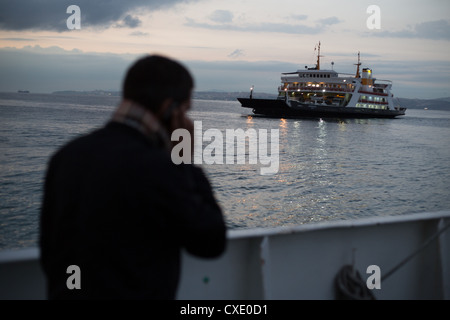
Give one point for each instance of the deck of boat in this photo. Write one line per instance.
(298, 262)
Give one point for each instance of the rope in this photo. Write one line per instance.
(423, 246)
(350, 285)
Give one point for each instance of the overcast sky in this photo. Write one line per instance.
(228, 45)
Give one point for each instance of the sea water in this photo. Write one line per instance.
(329, 170)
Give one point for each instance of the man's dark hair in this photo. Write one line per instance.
(153, 79)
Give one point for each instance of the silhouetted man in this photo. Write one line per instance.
(115, 204)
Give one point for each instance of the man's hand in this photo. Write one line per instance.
(180, 120)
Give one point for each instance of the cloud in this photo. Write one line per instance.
(299, 16)
(329, 21)
(18, 39)
(51, 69)
(266, 26)
(221, 16)
(236, 54)
(129, 22)
(139, 34)
(436, 30)
(51, 14)
(238, 75)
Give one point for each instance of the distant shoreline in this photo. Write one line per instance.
(201, 95)
(431, 104)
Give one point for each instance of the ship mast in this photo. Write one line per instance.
(318, 57)
(357, 68)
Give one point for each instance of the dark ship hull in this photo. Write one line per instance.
(293, 109)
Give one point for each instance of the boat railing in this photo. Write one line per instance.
(310, 88)
(374, 93)
(383, 82)
(296, 262)
(372, 102)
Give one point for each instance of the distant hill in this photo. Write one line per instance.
(200, 95)
(87, 93)
(436, 104)
(432, 104)
(230, 96)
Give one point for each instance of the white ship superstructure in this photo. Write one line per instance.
(314, 92)
(328, 87)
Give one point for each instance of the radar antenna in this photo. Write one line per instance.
(318, 56)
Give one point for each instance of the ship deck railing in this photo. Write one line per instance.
(411, 253)
(384, 94)
(314, 89)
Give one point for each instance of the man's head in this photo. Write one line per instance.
(155, 80)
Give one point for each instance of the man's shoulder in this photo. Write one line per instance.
(79, 142)
(113, 143)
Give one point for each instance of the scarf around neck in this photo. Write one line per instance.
(143, 120)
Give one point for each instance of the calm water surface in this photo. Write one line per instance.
(329, 169)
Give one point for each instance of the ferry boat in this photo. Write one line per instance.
(314, 92)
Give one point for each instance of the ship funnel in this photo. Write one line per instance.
(367, 81)
(367, 73)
